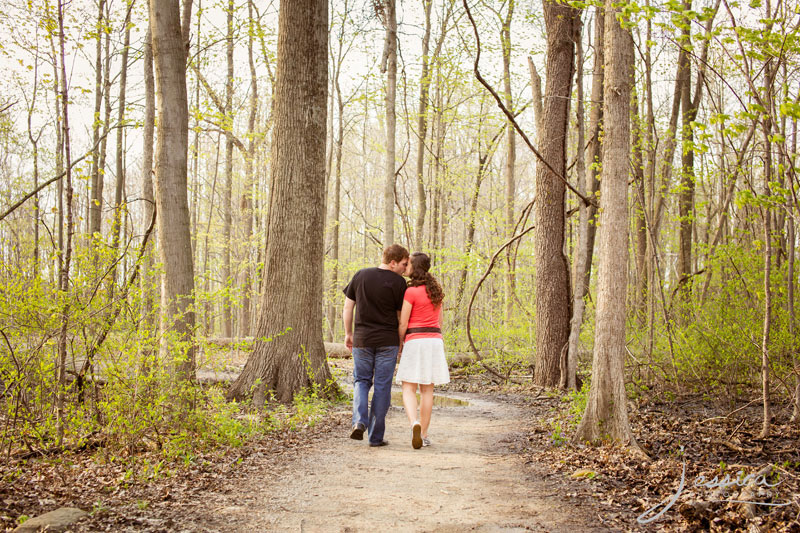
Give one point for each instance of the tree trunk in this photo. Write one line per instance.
(511, 155)
(552, 268)
(686, 196)
(96, 200)
(147, 176)
(790, 282)
(177, 282)
(247, 192)
(227, 200)
(606, 415)
(63, 278)
(119, 189)
(569, 368)
(337, 199)
(106, 123)
(335, 145)
(422, 130)
(59, 217)
(389, 65)
(670, 142)
(594, 152)
(34, 139)
(484, 156)
(767, 214)
(640, 219)
(195, 205)
(291, 307)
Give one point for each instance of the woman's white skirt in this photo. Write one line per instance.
(423, 361)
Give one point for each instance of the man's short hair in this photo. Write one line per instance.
(394, 252)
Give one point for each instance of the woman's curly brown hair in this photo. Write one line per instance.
(420, 265)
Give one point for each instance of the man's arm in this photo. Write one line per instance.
(347, 316)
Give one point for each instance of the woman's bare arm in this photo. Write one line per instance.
(405, 313)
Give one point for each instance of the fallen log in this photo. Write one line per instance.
(332, 349)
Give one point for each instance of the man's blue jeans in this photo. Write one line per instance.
(373, 364)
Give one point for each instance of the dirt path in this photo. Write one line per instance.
(468, 480)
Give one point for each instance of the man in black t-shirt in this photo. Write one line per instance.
(377, 295)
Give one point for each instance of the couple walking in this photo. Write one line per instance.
(395, 319)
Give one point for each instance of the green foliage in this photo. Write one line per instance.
(577, 402)
(717, 334)
(557, 435)
(122, 394)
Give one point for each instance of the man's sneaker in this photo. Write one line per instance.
(381, 443)
(416, 436)
(426, 441)
(358, 431)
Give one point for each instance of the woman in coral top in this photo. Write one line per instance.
(422, 360)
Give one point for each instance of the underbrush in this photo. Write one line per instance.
(711, 443)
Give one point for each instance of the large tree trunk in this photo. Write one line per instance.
(552, 269)
(291, 307)
(177, 282)
(389, 65)
(606, 415)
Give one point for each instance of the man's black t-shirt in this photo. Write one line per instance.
(378, 294)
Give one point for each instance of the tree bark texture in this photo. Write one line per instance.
(422, 130)
(96, 200)
(511, 157)
(552, 268)
(147, 172)
(119, 188)
(767, 127)
(686, 196)
(594, 152)
(289, 354)
(63, 275)
(640, 218)
(177, 282)
(227, 313)
(569, 366)
(246, 273)
(606, 415)
(390, 67)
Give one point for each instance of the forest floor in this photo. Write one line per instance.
(498, 463)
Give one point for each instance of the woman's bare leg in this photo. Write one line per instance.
(410, 401)
(426, 407)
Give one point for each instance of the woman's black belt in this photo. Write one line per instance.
(409, 331)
